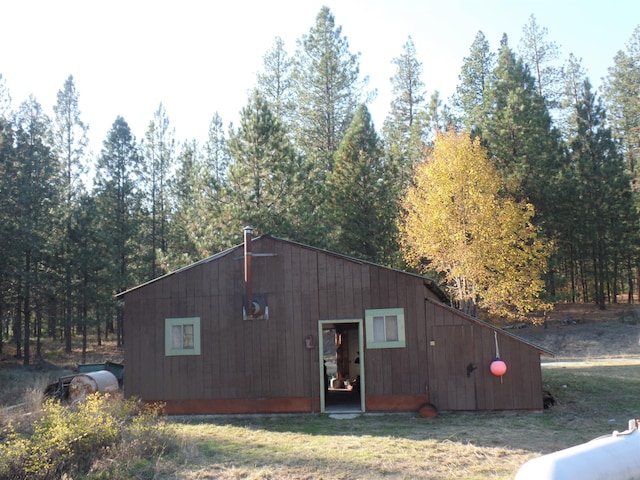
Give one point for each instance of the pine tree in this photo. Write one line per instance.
(604, 190)
(407, 86)
(159, 161)
(440, 117)
(476, 76)
(35, 183)
(362, 205)
(540, 55)
(216, 155)
(118, 202)
(519, 134)
(69, 140)
(89, 261)
(7, 217)
(262, 176)
(574, 76)
(215, 188)
(5, 99)
(327, 88)
(622, 95)
(275, 84)
(188, 228)
(404, 127)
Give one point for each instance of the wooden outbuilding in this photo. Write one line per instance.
(274, 326)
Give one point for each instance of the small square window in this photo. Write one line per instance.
(385, 328)
(182, 336)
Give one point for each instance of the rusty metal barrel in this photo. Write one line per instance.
(85, 384)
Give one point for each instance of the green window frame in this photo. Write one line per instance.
(182, 336)
(385, 328)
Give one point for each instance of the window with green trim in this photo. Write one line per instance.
(385, 328)
(182, 336)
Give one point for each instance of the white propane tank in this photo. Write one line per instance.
(612, 456)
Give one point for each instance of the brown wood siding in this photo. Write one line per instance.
(458, 346)
(263, 365)
(398, 371)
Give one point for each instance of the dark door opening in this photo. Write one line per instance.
(342, 367)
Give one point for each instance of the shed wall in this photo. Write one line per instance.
(262, 365)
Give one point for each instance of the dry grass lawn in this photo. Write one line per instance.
(594, 399)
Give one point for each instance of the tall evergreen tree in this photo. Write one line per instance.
(118, 202)
(439, 115)
(89, 263)
(188, 228)
(5, 98)
(35, 183)
(275, 84)
(159, 161)
(214, 184)
(7, 184)
(622, 96)
(519, 133)
(327, 91)
(327, 87)
(541, 56)
(607, 208)
(476, 76)
(574, 76)
(69, 140)
(216, 154)
(403, 128)
(262, 177)
(362, 205)
(407, 86)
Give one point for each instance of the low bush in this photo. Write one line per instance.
(68, 439)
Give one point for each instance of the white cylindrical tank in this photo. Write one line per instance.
(102, 381)
(613, 456)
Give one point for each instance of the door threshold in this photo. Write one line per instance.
(343, 409)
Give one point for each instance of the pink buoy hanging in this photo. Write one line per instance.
(498, 367)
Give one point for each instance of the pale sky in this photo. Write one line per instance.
(201, 57)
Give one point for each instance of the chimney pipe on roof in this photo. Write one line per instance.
(248, 287)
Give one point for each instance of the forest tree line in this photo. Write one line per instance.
(305, 162)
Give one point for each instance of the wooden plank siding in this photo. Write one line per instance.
(248, 366)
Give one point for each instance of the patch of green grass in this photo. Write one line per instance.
(594, 397)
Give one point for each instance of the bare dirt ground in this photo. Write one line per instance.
(584, 332)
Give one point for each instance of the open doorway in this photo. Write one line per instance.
(342, 366)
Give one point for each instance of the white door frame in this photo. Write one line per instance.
(321, 324)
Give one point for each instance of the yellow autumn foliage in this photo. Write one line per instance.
(484, 243)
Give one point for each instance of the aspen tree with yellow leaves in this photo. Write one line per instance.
(456, 221)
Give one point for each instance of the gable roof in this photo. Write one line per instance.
(429, 283)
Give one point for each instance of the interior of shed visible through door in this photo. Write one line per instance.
(341, 357)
